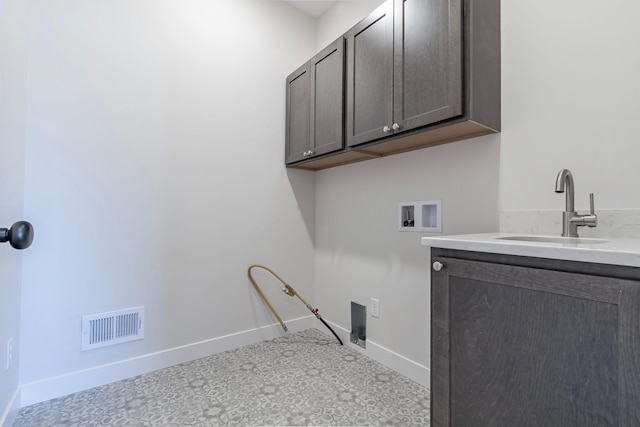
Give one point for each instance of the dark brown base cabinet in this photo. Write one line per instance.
(417, 73)
(520, 341)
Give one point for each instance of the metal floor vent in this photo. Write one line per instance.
(115, 327)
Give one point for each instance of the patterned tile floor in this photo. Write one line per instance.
(304, 378)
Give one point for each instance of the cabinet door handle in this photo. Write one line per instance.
(437, 266)
(386, 129)
(307, 153)
(395, 126)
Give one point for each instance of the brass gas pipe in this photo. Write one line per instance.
(289, 291)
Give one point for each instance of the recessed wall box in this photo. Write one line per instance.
(407, 217)
(431, 216)
(425, 216)
(359, 324)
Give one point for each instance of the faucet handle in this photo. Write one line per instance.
(591, 219)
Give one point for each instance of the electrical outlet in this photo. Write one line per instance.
(9, 352)
(375, 307)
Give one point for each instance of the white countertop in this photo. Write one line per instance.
(614, 250)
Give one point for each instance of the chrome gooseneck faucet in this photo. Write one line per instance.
(571, 220)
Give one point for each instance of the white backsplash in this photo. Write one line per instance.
(611, 223)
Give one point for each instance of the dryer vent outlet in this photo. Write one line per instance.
(359, 324)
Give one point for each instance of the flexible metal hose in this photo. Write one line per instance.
(289, 291)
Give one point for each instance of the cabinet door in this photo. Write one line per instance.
(521, 346)
(427, 62)
(297, 132)
(327, 95)
(370, 76)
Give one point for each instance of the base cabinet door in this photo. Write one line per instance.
(523, 346)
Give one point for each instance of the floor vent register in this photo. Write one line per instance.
(115, 327)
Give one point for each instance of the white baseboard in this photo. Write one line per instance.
(9, 415)
(404, 366)
(51, 388)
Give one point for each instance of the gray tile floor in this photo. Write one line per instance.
(304, 378)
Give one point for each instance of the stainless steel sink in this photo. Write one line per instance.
(549, 239)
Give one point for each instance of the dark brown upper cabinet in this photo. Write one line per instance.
(427, 62)
(297, 135)
(315, 94)
(419, 73)
(404, 68)
(370, 77)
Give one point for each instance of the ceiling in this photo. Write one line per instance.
(313, 8)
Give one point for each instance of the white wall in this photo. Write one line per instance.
(12, 130)
(155, 141)
(361, 255)
(570, 100)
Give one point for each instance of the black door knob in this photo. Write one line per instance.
(19, 236)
